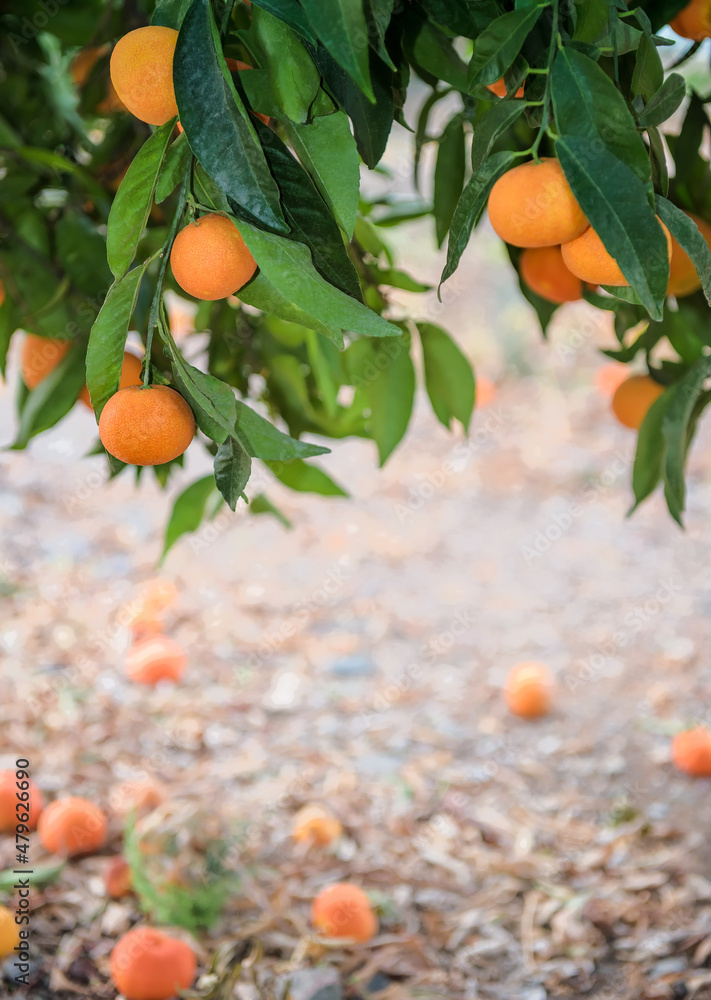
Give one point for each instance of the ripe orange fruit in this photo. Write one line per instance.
(485, 391)
(691, 752)
(117, 878)
(40, 356)
(209, 258)
(587, 257)
(9, 932)
(499, 88)
(545, 273)
(694, 21)
(529, 690)
(532, 205)
(130, 375)
(155, 659)
(83, 63)
(610, 377)
(147, 964)
(316, 825)
(9, 803)
(344, 911)
(146, 425)
(142, 73)
(633, 398)
(138, 796)
(683, 279)
(72, 826)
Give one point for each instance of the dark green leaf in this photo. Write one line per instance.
(449, 176)
(384, 377)
(686, 147)
(132, 204)
(309, 217)
(292, 79)
(7, 328)
(219, 128)
(341, 28)
(104, 354)
(82, 251)
(378, 14)
(371, 122)
(292, 14)
(461, 16)
(490, 126)
(615, 201)
(433, 52)
(263, 440)
(298, 475)
(399, 279)
(686, 233)
(588, 104)
(211, 400)
(261, 504)
(648, 74)
(53, 398)
(233, 467)
(498, 45)
(664, 102)
(592, 18)
(288, 267)
(678, 427)
(170, 13)
(471, 205)
(448, 376)
(327, 149)
(188, 511)
(660, 172)
(174, 166)
(651, 450)
(421, 130)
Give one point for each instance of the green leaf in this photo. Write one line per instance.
(211, 400)
(498, 45)
(304, 478)
(292, 79)
(421, 136)
(490, 126)
(664, 102)
(433, 52)
(328, 150)
(292, 14)
(471, 205)
(261, 504)
(371, 122)
(378, 16)
(53, 398)
(233, 467)
(340, 26)
(309, 218)
(218, 126)
(678, 427)
(587, 104)
(82, 251)
(7, 328)
(104, 354)
(384, 377)
(658, 156)
(173, 168)
(170, 13)
(188, 511)
(288, 267)
(592, 18)
(686, 233)
(263, 440)
(448, 376)
(648, 74)
(449, 176)
(261, 294)
(399, 279)
(133, 201)
(461, 16)
(615, 201)
(651, 451)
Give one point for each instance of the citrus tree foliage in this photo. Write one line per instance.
(91, 200)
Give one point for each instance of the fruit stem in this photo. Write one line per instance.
(546, 118)
(165, 255)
